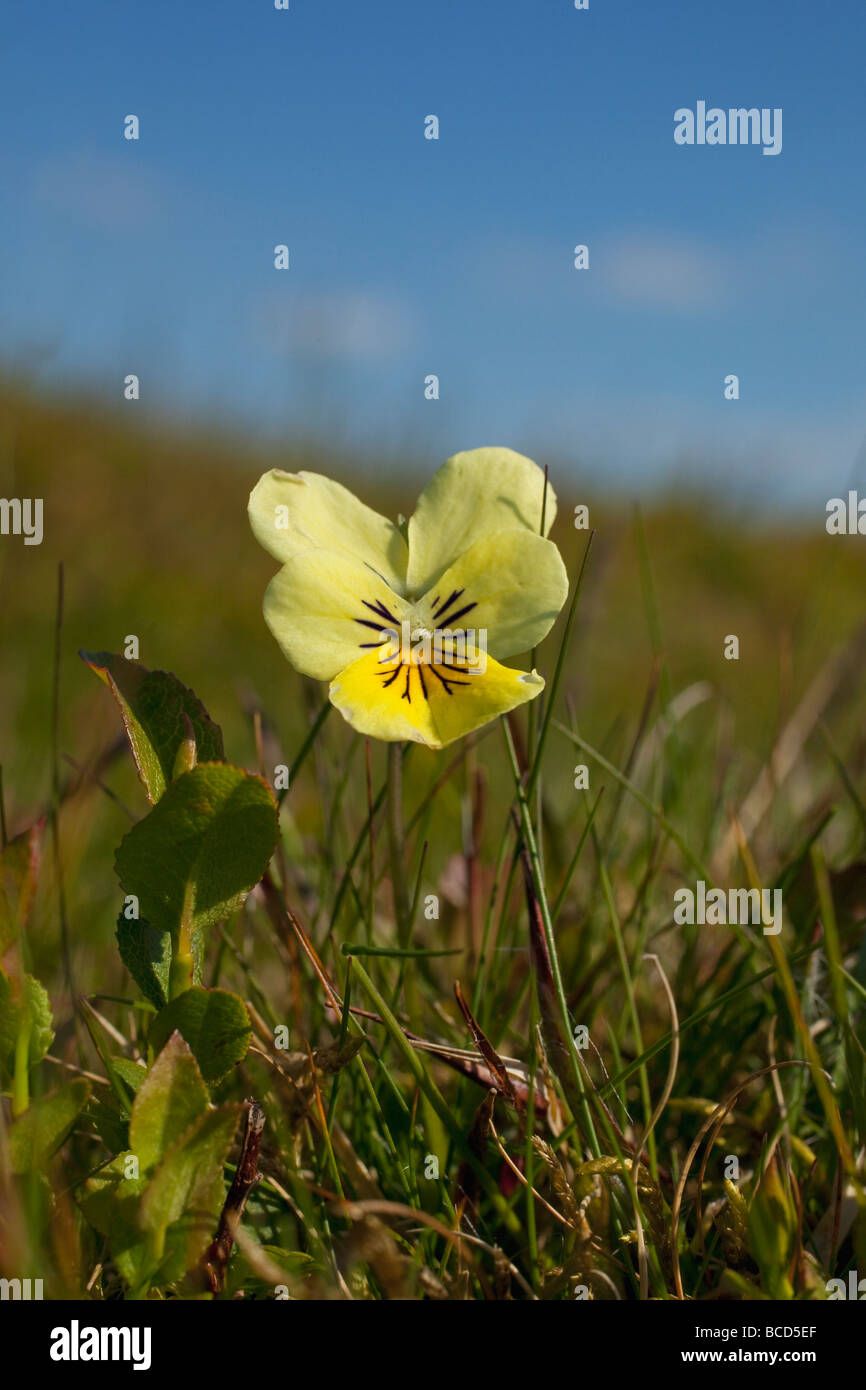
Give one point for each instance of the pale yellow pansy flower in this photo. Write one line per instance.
(409, 622)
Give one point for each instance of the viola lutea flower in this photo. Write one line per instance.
(410, 621)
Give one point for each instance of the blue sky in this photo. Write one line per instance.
(454, 256)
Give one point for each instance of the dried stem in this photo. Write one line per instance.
(245, 1179)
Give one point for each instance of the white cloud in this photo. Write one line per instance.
(666, 270)
(349, 324)
(110, 194)
(663, 272)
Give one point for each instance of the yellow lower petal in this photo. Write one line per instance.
(433, 704)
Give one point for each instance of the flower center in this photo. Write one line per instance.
(406, 649)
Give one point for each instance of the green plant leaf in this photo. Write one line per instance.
(189, 1182)
(188, 1170)
(36, 1134)
(772, 1229)
(146, 953)
(104, 1193)
(19, 866)
(30, 997)
(169, 1099)
(110, 1122)
(132, 1074)
(214, 1022)
(207, 842)
(153, 705)
(42, 1029)
(144, 1256)
(110, 1201)
(186, 1240)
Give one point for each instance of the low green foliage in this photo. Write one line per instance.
(157, 1203)
(37, 1134)
(19, 864)
(25, 1009)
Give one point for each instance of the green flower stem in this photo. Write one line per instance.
(549, 696)
(397, 845)
(181, 974)
(21, 1074)
(577, 1095)
(182, 965)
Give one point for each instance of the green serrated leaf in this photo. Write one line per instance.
(31, 997)
(19, 866)
(36, 1134)
(214, 1022)
(153, 705)
(132, 1074)
(189, 1182)
(42, 1022)
(201, 849)
(169, 1099)
(146, 953)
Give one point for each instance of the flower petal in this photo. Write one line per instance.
(510, 584)
(324, 606)
(292, 512)
(473, 493)
(442, 707)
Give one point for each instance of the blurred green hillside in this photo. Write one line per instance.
(150, 524)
